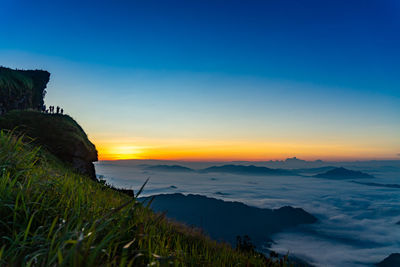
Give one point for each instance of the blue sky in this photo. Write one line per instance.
(153, 73)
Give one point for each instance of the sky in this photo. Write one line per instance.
(218, 80)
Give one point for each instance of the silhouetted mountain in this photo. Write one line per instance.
(247, 170)
(294, 159)
(169, 168)
(221, 193)
(392, 261)
(379, 185)
(342, 173)
(224, 220)
(314, 170)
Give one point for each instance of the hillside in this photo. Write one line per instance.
(22, 89)
(59, 134)
(53, 216)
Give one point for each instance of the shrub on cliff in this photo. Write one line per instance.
(22, 89)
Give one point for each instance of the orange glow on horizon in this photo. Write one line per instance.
(119, 152)
(195, 150)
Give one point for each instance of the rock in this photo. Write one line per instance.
(84, 166)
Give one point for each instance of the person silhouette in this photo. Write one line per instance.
(62, 111)
(58, 109)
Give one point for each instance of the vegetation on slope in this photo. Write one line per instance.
(59, 134)
(51, 215)
(22, 89)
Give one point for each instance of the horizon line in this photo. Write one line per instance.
(256, 161)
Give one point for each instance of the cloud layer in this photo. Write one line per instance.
(357, 223)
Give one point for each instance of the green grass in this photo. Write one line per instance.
(13, 80)
(52, 216)
(59, 134)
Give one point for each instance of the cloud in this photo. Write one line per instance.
(357, 223)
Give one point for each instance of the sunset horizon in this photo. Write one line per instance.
(200, 133)
(228, 153)
(214, 90)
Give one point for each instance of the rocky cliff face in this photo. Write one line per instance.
(22, 89)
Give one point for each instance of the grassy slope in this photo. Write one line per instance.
(54, 131)
(50, 215)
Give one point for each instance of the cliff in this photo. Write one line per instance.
(59, 134)
(22, 89)
(21, 96)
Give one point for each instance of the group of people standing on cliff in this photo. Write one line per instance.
(51, 110)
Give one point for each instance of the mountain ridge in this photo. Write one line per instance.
(224, 220)
(343, 173)
(249, 170)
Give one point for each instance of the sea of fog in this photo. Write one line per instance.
(357, 222)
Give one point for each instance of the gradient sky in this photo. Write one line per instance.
(218, 80)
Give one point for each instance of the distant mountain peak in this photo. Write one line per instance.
(169, 168)
(343, 173)
(247, 170)
(294, 159)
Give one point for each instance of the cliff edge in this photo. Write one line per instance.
(59, 134)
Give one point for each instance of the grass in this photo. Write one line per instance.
(13, 79)
(60, 134)
(52, 216)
